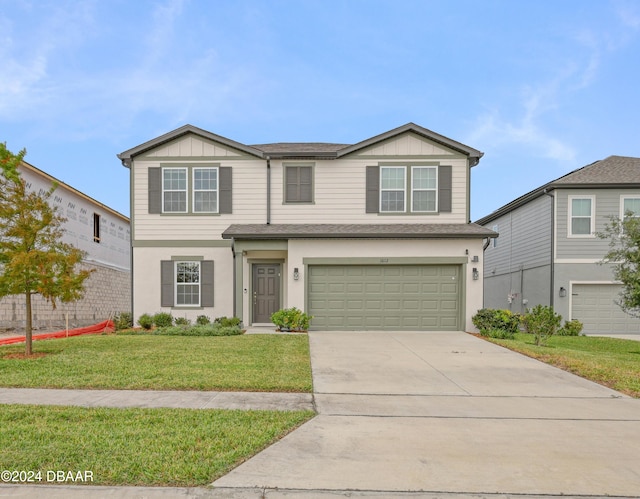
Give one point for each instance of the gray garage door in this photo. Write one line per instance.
(594, 305)
(385, 297)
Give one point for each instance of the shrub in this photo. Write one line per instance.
(123, 320)
(227, 321)
(571, 328)
(182, 321)
(291, 319)
(145, 321)
(163, 319)
(203, 320)
(542, 322)
(199, 330)
(496, 323)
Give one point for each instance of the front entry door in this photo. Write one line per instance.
(266, 291)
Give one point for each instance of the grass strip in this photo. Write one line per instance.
(611, 362)
(160, 447)
(277, 363)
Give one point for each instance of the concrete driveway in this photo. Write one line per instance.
(448, 413)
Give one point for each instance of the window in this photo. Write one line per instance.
(96, 228)
(392, 189)
(298, 184)
(424, 189)
(187, 283)
(494, 241)
(174, 190)
(581, 216)
(630, 207)
(205, 190)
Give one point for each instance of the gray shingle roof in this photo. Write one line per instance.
(299, 147)
(356, 231)
(611, 172)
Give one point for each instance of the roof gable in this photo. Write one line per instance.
(203, 137)
(417, 136)
(407, 144)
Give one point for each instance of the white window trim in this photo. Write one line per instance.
(186, 190)
(494, 241)
(413, 189)
(592, 217)
(404, 189)
(624, 197)
(176, 284)
(194, 190)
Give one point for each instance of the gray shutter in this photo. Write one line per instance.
(166, 283)
(155, 190)
(206, 283)
(373, 189)
(225, 186)
(444, 189)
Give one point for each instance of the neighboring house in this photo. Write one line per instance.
(373, 235)
(548, 252)
(99, 231)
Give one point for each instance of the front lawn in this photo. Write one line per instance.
(162, 447)
(611, 362)
(278, 363)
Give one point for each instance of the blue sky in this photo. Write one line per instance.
(541, 87)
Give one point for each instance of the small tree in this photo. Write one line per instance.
(33, 258)
(624, 257)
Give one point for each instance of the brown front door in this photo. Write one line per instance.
(266, 291)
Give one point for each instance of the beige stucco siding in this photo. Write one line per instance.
(299, 250)
(146, 275)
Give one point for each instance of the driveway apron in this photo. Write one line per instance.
(447, 412)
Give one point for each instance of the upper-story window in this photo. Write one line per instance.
(174, 190)
(205, 190)
(409, 189)
(581, 216)
(424, 189)
(392, 188)
(630, 206)
(298, 184)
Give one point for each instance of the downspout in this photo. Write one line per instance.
(235, 286)
(268, 190)
(551, 262)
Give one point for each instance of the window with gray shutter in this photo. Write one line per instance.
(444, 189)
(186, 283)
(226, 190)
(155, 190)
(298, 184)
(166, 283)
(373, 189)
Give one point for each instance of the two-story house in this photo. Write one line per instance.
(548, 251)
(104, 235)
(368, 236)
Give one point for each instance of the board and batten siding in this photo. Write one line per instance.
(607, 203)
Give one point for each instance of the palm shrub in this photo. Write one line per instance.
(542, 322)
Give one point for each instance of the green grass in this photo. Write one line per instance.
(277, 363)
(609, 361)
(162, 447)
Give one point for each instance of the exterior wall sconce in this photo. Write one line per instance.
(475, 274)
(296, 274)
(563, 292)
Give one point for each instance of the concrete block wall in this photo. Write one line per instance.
(107, 291)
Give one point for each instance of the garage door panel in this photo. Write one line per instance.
(595, 306)
(394, 297)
